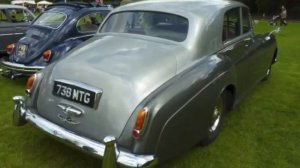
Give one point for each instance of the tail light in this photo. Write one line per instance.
(10, 48)
(29, 84)
(140, 123)
(47, 55)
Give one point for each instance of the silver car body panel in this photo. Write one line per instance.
(113, 77)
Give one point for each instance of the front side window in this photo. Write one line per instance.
(157, 24)
(20, 15)
(89, 23)
(51, 19)
(232, 24)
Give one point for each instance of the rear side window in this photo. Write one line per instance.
(232, 24)
(51, 19)
(89, 23)
(246, 21)
(3, 17)
(20, 15)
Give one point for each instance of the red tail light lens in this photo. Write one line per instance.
(140, 123)
(47, 55)
(10, 48)
(29, 84)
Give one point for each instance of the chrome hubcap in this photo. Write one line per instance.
(216, 117)
(268, 72)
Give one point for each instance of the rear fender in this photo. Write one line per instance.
(177, 106)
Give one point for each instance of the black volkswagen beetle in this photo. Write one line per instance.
(56, 31)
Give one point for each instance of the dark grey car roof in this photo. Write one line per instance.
(202, 14)
(181, 6)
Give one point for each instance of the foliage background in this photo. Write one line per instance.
(268, 7)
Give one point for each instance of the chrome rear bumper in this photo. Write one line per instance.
(108, 151)
(9, 68)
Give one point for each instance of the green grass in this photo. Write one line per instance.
(263, 131)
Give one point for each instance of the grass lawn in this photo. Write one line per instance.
(263, 131)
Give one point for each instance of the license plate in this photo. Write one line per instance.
(22, 48)
(80, 94)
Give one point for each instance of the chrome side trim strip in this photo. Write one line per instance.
(10, 34)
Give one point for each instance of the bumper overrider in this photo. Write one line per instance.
(112, 157)
(14, 69)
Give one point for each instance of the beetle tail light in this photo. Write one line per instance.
(29, 84)
(140, 123)
(10, 48)
(47, 55)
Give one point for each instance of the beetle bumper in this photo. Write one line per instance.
(14, 69)
(108, 151)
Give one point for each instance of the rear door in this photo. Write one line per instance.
(6, 32)
(240, 48)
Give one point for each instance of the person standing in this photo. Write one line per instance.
(283, 16)
(99, 2)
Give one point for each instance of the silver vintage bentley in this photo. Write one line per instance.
(153, 82)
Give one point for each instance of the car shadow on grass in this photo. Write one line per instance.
(18, 82)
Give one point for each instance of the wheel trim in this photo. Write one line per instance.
(268, 72)
(216, 117)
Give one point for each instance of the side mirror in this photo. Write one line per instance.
(276, 30)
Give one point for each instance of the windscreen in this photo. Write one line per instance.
(51, 19)
(157, 24)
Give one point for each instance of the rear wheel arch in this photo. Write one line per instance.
(224, 102)
(229, 93)
(274, 59)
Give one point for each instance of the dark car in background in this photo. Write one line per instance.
(55, 32)
(14, 21)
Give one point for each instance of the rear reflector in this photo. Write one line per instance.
(140, 123)
(29, 84)
(10, 48)
(47, 55)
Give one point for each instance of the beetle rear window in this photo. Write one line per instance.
(157, 24)
(51, 19)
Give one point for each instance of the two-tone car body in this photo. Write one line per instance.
(155, 80)
(14, 21)
(55, 32)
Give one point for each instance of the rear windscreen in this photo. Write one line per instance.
(156, 24)
(51, 19)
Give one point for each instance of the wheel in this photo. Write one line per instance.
(267, 74)
(216, 120)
